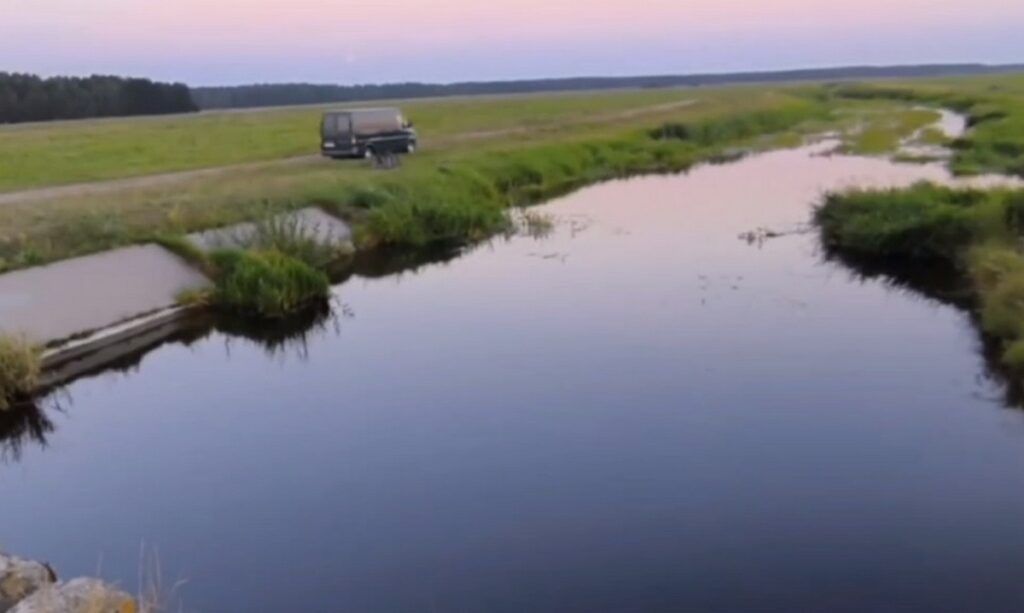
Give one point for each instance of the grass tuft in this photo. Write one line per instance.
(266, 284)
(289, 235)
(20, 367)
(925, 222)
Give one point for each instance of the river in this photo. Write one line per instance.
(636, 411)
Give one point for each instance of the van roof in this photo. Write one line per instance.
(389, 109)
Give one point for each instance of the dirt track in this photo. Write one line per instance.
(113, 186)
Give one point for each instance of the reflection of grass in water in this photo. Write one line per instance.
(284, 336)
(945, 284)
(21, 424)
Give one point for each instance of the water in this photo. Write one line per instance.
(638, 412)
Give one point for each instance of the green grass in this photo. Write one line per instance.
(267, 284)
(37, 155)
(20, 365)
(882, 132)
(280, 270)
(976, 232)
(995, 108)
(922, 223)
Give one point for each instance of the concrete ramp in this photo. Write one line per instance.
(325, 229)
(53, 303)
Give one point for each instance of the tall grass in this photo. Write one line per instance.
(925, 222)
(716, 131)
(20, 366)
(290, 235)
(266, 283)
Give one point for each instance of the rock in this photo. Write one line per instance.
(20, 578)
(77, 596)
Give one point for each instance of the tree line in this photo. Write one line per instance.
(247, 96)
(27, 97)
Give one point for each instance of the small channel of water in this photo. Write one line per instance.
(637, 412)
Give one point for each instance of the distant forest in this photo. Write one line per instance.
(25, 97)
(247, 96)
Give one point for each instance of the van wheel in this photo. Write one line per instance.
(368, 154)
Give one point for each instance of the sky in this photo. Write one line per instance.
(213, 42)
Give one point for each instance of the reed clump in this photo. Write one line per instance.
(20, 367)
(267, 284)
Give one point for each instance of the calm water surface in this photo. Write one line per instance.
(639, 412)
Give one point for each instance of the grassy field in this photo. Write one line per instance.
(71, 152)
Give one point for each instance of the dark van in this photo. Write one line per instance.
(356, 133)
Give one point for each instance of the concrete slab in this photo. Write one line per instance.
(326, 229)
(56, 302)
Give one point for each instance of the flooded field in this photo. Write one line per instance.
(668, 400)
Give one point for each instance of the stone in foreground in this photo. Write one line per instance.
(77, 596)
(20, 579)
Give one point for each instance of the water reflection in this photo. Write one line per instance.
(945, 284)
(287, 337)
(22, 425)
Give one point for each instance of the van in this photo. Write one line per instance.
(357, 133)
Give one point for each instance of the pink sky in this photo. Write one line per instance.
(209, 41)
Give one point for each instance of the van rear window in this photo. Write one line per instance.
(334, 124)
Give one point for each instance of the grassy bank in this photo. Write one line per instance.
(457, 190)
(976, 233)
